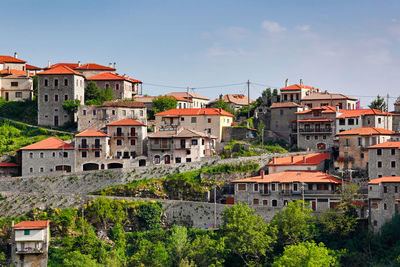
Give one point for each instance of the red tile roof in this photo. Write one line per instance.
(325, 109)
(367, 131)
(8, 164)
(69, 65)
(238, 99)
(309, 159)
(13, 71)
(94, 66)
(125, 122)
(291, 177)
(296, 87)
(389, 144)
(349, 113)
(191, 95)
(92, 133)
(315, 120)
(60, 70)
(31, 67)
(386, 179)
(49, 143)
(285, 105)
(8, 59)
(32, 225)
(195, 112)
(326, 96)
(111, 76)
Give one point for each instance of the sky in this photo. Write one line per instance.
(349, 47)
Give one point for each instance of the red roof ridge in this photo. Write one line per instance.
(93, 66)
(125, 122)
(51, 143)
(388, 144)
(311, 159)
(10, 59)
(32, 225)
(61, 69)
(367, 131)
(194, 112)
(385, 179)
(89, 133)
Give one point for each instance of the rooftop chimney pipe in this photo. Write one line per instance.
(287, 83)
(304, 159)
(301, 81)
(15, 54)
(115, 65)
(262, 174)
(292, 159)
(48, 64)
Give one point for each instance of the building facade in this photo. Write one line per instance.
(283, 120)
(308, 162)
(296, 92)
(384, 159)
(319, 99)
(16, 87)
(351, 119)
(198, 101)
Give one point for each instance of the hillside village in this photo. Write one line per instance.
(318, 143)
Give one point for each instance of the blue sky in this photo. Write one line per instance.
(350, 47)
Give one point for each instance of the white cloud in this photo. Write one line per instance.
(219, 52)
(237, 33)
(272, 27)
(303, 28)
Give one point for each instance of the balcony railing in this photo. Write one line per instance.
(83, 147)
(118, 135)
(132, 136)
(315, 130)
(30, 250)
(96, 147)
(160, 146)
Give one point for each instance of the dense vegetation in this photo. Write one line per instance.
(237, 148)
(185, 186)
(95, 96)
(25, 111)
(14, 135)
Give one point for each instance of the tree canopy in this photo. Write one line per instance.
(378, 103)
(163, 103)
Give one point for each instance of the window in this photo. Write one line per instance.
(97, 154)
(14, 84)
(379, 120)
(362, 155)
(310, 187)
(316, 137)
(56, 98)
(379, 164)
(281, 112)
(295, 187)
(65, 82)
(31, 155)
(41, 155)
(65, 97)
(182, 118)
(133, 142)
(194, 119)
(55, 82)
(18, 94)
(54, 154)
(119, 142)
(194, 142)
(117, 86)
(350, 122)
(359, 141)
(255, 201)
(187, 152)
(27, 232)
(113, 112)
(369, 121)
(209, 130)
(242, 187)
(324, 137)
(141, 113)
(156, 159)
(30, 170)
(273, 187)
(84, 154)
(84, 112)
(274, 203)
(46, 98)
(307, 137)
(124, 113)
(188, 160)
(342, 122)
(209, 120)
(395, 189)
(393, 151)
(347, 143)
(94, 112)
(65, 154)
(385, 206)
(41, 169)
(46, 82)
(379, 152)
(107, 85)
(255, 187)
(393, 164)
(385, 189)
(178, 160)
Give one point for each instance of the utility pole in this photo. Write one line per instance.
(387, 111)
(248, 99)
(187, 97)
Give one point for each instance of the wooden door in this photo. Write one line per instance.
(167, 159)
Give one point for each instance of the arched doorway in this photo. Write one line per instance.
(142, 162)
(115, 165)
(157, 159)
(65, 168)
(90, 166)
(321, 146)
(167, 159)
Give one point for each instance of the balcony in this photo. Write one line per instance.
(118, 135)
(132, 136)
(265, 192)
(160, 146)
(96, 147)
(83, 147)
(179, 146)
(285, 193)
(30, 250)
(315, 130)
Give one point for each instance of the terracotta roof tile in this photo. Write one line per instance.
(315, 120)
(310, 159)
(60, 70)
(125, 122)
(92, 133)
(389, 144)
(32, 225)
(238, 99)
(349, 113)
(184, 95)
(285, 105)
(9, 59)
(31, 67)
(367, 131)
(13, 71)
(69, 65)
(124, 104)
(325, 110)
(8, 164)
(326, 96)
(386, 179)
(106, 76)
(195, 112)
(296, 87)
(183, 132)
(292, 176)
(93, 66)
(49, 143)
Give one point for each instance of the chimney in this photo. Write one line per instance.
(337, 108)
(8, 70)
(110, 65)
(301, 82)
(220, 96)
(15, 54)
(292, 159)
(115, 65)
(48, 64)
(273, 160)
(12, 223)
(287, 83)
(304, 159)
(262, 174)
(79, 63)
(27, 73)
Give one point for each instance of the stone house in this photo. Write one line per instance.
(278, 189)
(206, 120)
(198, 101)
(124, 87)
(384, 159)
(316, 128)
(295, 92)
(308, 162)
(283, 120)
(9, 169)
(92, 69)
(55, 86)
(177, 145)
(33, 70)
(396, 116)
(353, 146)
(383, 198)
(235, 101)
(148, 101)
(30, 243)
(16, 87)
(351, 119)
(319, 99)
(96, 117)
(49, 155)
(12, 63)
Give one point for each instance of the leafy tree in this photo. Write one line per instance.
(92, 91)
(177, 243)
(76, 259)
(163, 103)
(71, 107)
(246, 234)
(294, 224)
(339, 222)
(149, 254)
(107, 94)
(306, 254)
(225, 106)
(260, 129)
(104, 211)
(149, 215)
(275, 92)
(205, 245)
(378, 103)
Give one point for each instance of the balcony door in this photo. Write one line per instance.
(119, 131)
(133, 131)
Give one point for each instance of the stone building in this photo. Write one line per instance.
(316, 128)
(33, 70)
(383, 198)
(235, 101)
(198, 101)
(396, 116)
(55, 86)
(353, 146)
(351, 119)
(283, 120)
(16, 87)
(319, 99)
(296, 92)
(308, 162)
(148, 101)
(92, 69)
(9, 169)
(96, 117)
(278, 189)
(30, 244)
(384, 159)
(205, 120)
(123, 86)
(12, 63)
(178, 145)
(49, 155)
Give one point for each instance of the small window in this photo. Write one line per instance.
(14, 84)
(342, 122)
(194, 142)
(194, 120)
(187, 152)
(295, 187)
(31, 155)
(274, 203)
(119, 142)
(281, 112)
(316, 137)
(255, 201)
(97, 154)
(41, 155)
(255, 187)
(113, 112)
(359, 141)
(385, 189)
(242, 187)
(379, 120)
(273, 187)
(188, 160)
(84, 112)
(56, 82)
(133, 142)
(395, 189)
(393, 152)
(209, 120)
(56, 98)
(347, 142)
(54, 154)
(46, 82)
(307, 137)
(265, 202)
(18, 94)
(94, 112)
(182, 118)
(124, 113)
(27, 232)
(141, 113)
(41, 169)
(362, 155)
(117, 86)
(350, 122)
(379, 152)
(385, 206)
(84, 154)
(324, 137)
(65, 82)
(379, 164)
(46, 98)
(65, 97)
(178, 160)
(393, 164)
(30, 170)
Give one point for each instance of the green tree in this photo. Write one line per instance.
(149, 254)
(149, 215)
(306, 254)
(225, 106)
(71, 107)
(107, 94)
(339, 222)
(378, 103)
(76, 259)
(205, 245)
(294, 224)
(246, 234)
(163, 103)
(92, 92)
(177, 243)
